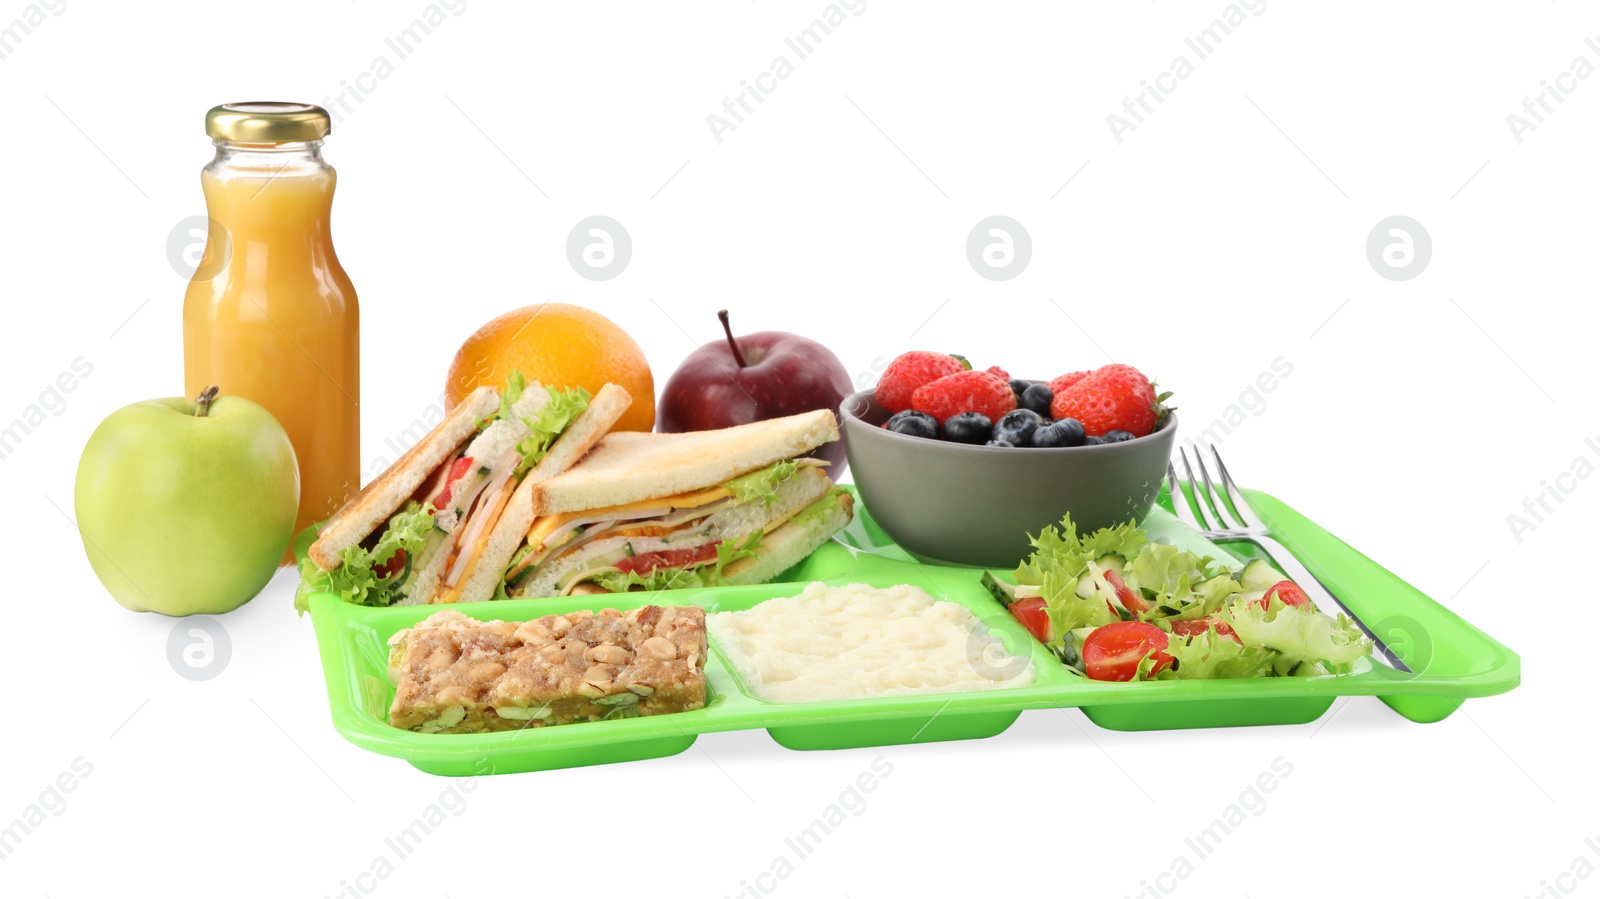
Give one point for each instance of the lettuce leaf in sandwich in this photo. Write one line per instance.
(546, 425)
(358, 578)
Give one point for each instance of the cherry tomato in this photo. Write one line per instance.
(1194, 627)
(1130, 600)
(1033, 617)
(1113, 651)
(1290, 593)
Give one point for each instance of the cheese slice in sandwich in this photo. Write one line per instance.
(402, 540)
(649, 511)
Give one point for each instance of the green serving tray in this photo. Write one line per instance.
(1452, 661)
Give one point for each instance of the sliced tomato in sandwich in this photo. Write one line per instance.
(644, 563)
(457, 472)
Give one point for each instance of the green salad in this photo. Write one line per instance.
(1114, 605)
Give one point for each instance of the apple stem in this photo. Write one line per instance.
(722, 315)
(202, 403)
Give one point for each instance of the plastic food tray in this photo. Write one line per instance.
(1452, 660)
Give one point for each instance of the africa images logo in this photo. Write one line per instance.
(737, 107)
(1138, 107)
(1538, 106)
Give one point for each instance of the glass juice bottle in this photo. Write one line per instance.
(270, 315)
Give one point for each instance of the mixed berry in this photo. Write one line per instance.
(941, 397)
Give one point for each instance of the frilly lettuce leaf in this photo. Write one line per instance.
(1211, 656)
(509, 396)
(355, 580)
(547, 424)
(763, 484)
(728, 553)
(1060, 556)
(1298, 634)
(1068, 613)
(660, 579)
(1210, 596)
(1168, 575)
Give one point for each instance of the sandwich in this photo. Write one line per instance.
(738, 505)
(418, 532)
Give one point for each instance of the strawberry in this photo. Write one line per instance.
(1110, 398)
(999, 372)
(911, 370)
(1067, 380)
(965, 391)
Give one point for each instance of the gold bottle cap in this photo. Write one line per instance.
(267, 122)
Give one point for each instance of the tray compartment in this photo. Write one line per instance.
(1422, 709)
(856, 734)
(353, 641)
(522, 759)
(900, 719)
(1243, 711)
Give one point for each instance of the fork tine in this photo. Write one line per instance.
(1213, 495)
(1240, 507)
(1194, 490)
(1180, 502)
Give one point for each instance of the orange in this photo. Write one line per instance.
(557, 345)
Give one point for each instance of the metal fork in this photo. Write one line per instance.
(1241, 524)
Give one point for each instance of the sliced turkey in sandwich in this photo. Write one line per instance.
(659, 511)
(409, 537)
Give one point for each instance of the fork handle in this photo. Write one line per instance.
(1321, 596)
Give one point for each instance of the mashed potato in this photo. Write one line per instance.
(858, 641)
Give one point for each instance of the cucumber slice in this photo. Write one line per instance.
(1005, 593)
(1069, 653)
(1086, 587)
(1110, 560)
(1258, 575)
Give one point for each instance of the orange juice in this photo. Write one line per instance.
(270, 315)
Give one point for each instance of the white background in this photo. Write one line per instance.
(1227, 230)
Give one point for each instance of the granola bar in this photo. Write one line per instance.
(455, 674)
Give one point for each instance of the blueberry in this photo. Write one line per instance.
(1019, 387)
(1117, 436)
(1017, 426)
(916, 424)
(999, 443)
(1066, 432)
(968, 427)
(1037, 397)
(1092, 440)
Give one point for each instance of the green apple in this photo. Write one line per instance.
(186, 506)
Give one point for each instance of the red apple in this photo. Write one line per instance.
(764, 375)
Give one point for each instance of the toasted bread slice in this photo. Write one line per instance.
(509, 532)
(388, 492)
(630, 466)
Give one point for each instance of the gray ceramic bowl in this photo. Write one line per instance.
(977, 505)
